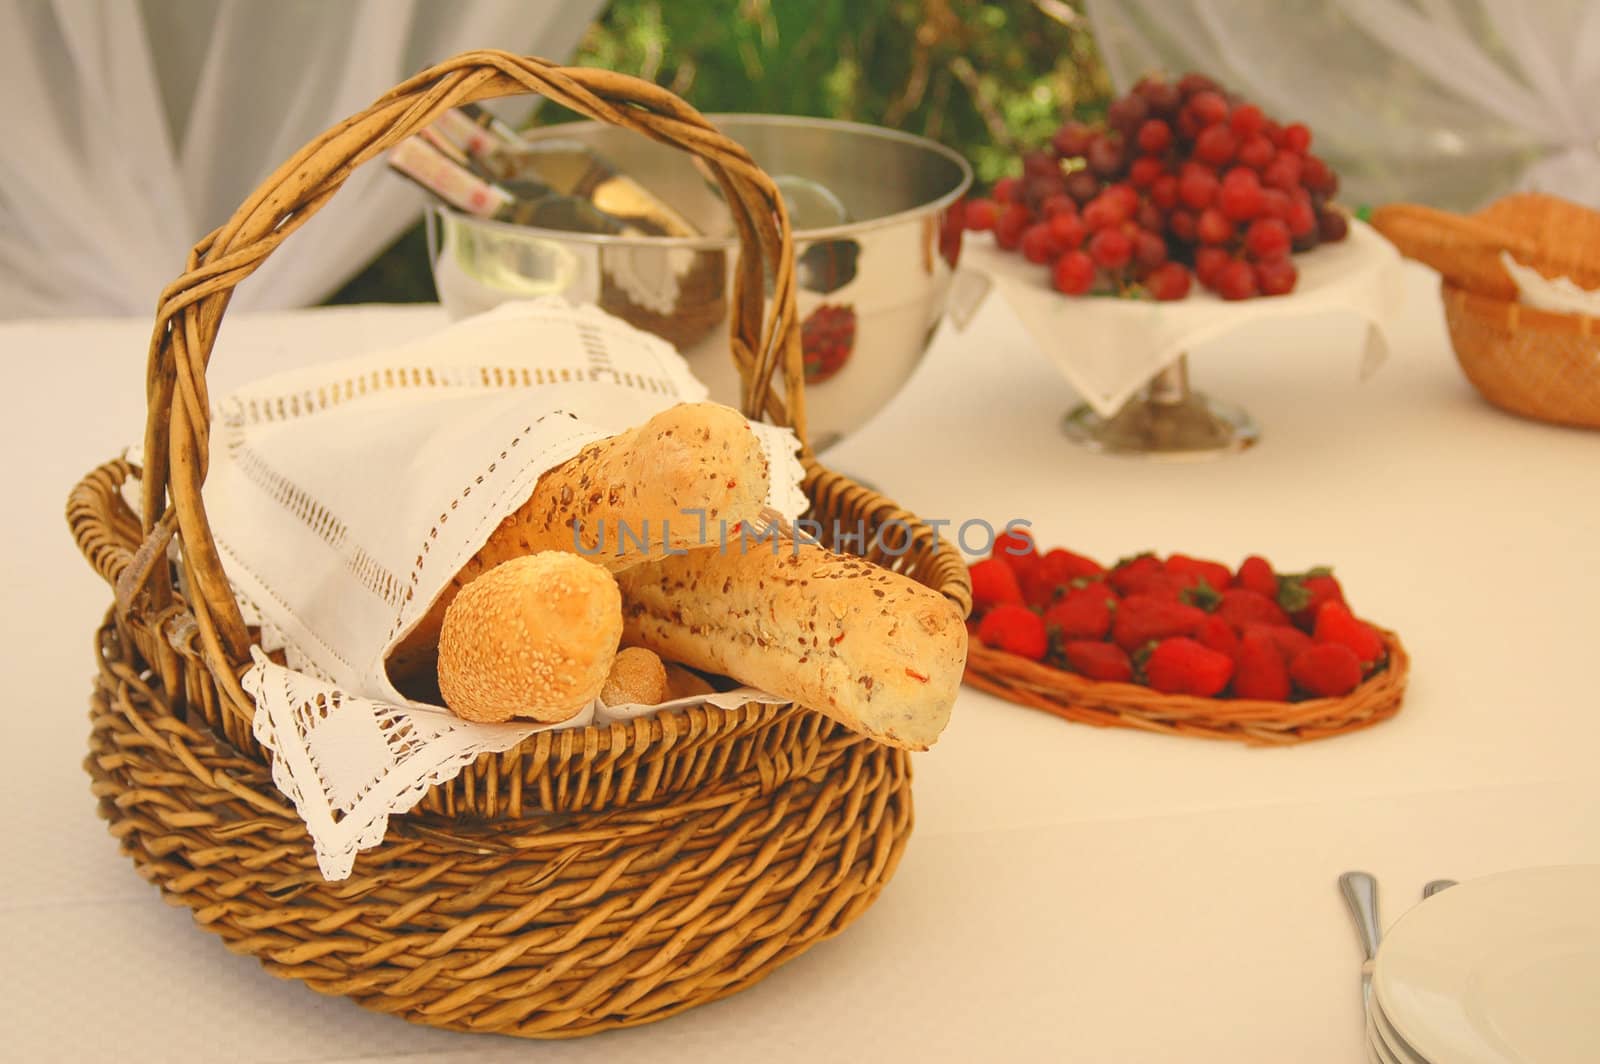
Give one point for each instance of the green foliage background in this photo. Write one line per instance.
(983, 78)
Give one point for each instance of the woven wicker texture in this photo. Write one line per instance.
(1531, 362)
(1126, 705)
(587, 879)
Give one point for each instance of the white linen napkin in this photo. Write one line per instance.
(344, 497)
(1109, 348)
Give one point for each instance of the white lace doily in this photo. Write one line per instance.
(344, 497)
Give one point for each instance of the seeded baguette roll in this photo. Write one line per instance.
(870, 648)
(685, 683)
(534, 637)
(691, 457)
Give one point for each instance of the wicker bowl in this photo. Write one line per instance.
(1125, 705)
(1532, 362)
(587, 879)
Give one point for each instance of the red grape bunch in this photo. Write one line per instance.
(1180, 177)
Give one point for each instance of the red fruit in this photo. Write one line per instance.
(1053, 576)
(1304, 593)
(1168, 282)
(1105, 155)
(1039, 164)
(1126, 195)
(1336, 624)
(1317, 175)
(1326, 670)
(1182, 666)
(1213, 227)
(993, 583)
(1149, 250)
(1013, 543)
(1276, 203)
(1276, 276)
(980, 214)
(1289, 641)
(1181, 224)
(1236, 280)
(1332, 225)
(1218, 634)
(1073, 273)
(1150, 217)
(1007, 190)
(1142, 618)
(1105, 211)
(1162, 96)
(1196, 188)
(1145, 169)
(1071, 140)
(1240, 197)
(1036, 190)
(1016, 630)
(1195, 571)
(1246, 120)
(1124, 574)
(1259, 668)
(1155, 136)
(1082, 186)
(1296, 138)
(1241, 607)
(1067, 230)
(1283, 172)
(1256, 574)
(1267, 238)
(1256, 152)
(1216, 145)
(1008, 228)
(1208, 264)
(1193, 83)
(1208, 107)
(1110, 249)
(1302, 219)
(1164, 191)
(1099, 661)
(1083, 614)
(1039, 243)
(1060, 203)
(1127, 113)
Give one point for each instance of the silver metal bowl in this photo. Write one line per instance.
(872, 288)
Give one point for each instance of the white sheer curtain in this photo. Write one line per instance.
(1448, 102)
(134, 127)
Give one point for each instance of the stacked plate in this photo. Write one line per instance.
(1492, 971)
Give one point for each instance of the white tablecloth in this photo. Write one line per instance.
(1069, 893)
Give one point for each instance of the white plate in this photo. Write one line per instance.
(1377, 1049)
(1393, 1044)
(1500, 969)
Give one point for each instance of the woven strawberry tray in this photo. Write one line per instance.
(1180, 646)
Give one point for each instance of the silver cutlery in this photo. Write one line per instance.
(1361, 895)
(1435, 886)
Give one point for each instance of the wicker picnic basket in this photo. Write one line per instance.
(587, 879)
(1125, 705)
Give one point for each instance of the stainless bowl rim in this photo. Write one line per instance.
(702, 243)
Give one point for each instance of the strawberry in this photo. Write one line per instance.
(1260, 671)
(993, 583)
(1142, 618)
(1182, 666)
(1129, 571)
(1290, 641)
(1098, 661)
(1192, 571)
(1301, 595)
(1215, 632)
(1255, 574)
(1336, 624)
(1084, 614)
(1326, 670)
(1240, 607)
(1052, 577)
(1013, 543)
(1016, 630)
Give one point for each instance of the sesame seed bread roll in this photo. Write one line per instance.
(532, 638)
(637, 678)
(874, 650)
(692, 457)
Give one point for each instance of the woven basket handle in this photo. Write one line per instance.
(177, 434)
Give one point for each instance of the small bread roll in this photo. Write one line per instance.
(654, 480)
(637, 678)
(534, 637)
(686, 683)
(873, 649)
